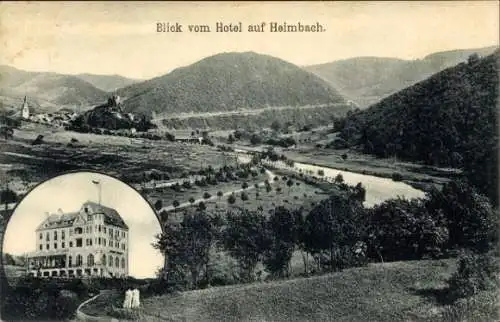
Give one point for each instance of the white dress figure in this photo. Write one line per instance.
(136, 298)
(127, 303)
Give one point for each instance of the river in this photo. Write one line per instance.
(377, 189)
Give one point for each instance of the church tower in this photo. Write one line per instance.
(25, 113)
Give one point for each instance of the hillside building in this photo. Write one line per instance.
(90, 242)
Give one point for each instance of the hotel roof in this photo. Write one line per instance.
(62, 220)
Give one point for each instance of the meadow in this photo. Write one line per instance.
(397, 291)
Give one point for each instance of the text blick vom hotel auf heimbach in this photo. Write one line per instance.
(176, 27)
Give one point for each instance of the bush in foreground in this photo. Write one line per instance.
(475, 273)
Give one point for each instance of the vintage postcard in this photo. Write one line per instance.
(249, 161)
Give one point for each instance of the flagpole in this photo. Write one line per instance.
(98, 182)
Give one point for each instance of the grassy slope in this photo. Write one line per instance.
(388, 292)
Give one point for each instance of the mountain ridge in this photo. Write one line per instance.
(367, 79)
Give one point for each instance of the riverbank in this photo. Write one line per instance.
(419, 176)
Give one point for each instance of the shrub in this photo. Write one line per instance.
(474, 273)
(396, 176)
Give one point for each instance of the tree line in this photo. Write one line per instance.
(336, 233)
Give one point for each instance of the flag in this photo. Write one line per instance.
(95, 182)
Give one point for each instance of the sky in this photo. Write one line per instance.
(68, 192)
(121, 38)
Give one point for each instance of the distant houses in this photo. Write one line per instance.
(189, 139)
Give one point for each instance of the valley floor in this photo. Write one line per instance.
(399, 291)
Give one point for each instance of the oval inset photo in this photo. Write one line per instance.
(82, 224)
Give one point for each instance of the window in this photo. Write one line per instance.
(123, 246)
(70, 244)
(86, 209)
(87, 229)
(99, 228)
(79, 242)
(99, 240)
(63, 245)
(123, 262)
(123, 234)
(55, 235)
(89, 217)
(79, 260)
(111, 232)
(117, 244)
(104, 229)
(104, 259)
(41, 236)
(55, 245)
(47, 237)
(47, 246)
(104, 241)
(79, 230)
(110, 261)
(90, 229)
(41, 247)
(110, 243)
(70, 260)
(117, 262)
(90, 260)
(62, 235)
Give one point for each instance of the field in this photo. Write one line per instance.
(399, 291)
(112, 154)
(296, 196)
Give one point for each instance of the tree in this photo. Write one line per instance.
(231, 199)
(158, 205)
(8, 196)
(359, 192)
(244, 196)
(471, 220)
(219, 194)
(191, 200)
(255, 139)
(202, 206)
(176, 204)
(289, 183)
(280, 240)
(245, 240)
(401, 229)
(206, 195)
(188, 245)
(276, 126)
(268, 188)
(244, 185)
(339, 178)
(334, 226)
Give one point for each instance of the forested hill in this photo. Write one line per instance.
(229, 81)
(367, 80)
(449, 119)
